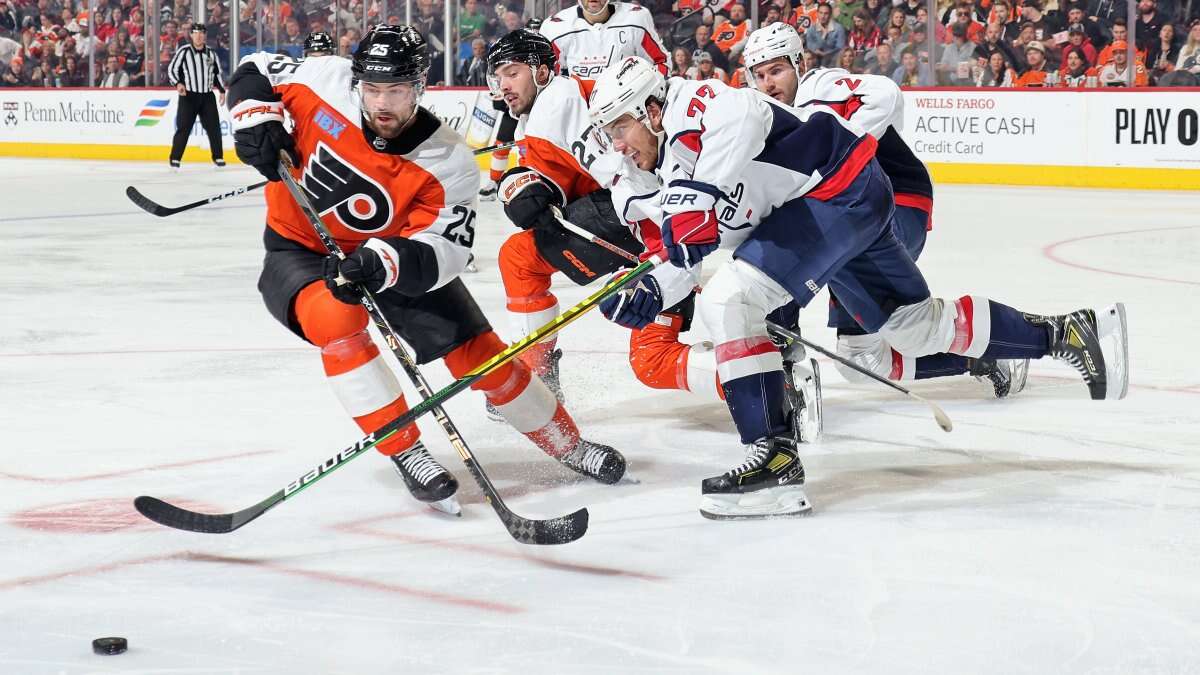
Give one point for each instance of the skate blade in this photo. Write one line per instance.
(448, 506)
(814, 415)
(785, 501)
(1111, 324)
(1019, 373)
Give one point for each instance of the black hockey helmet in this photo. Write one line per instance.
(318, 41)
(522, 46)
(391, 54)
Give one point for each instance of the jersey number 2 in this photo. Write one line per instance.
(465, 220)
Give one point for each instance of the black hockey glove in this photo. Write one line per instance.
(527, 198)
(373, 266)
(259, 136)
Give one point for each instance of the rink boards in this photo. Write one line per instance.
(1140, 138)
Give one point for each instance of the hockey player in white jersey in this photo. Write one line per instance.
(595, 34)
(800, 199)
(564, 168)
(774, 59)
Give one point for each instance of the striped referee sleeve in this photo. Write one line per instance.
(173, 67)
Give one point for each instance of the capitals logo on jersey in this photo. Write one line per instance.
(335, 185)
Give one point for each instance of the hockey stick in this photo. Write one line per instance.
(170, 515)
(154, 208)
(559, 530)
(492, 148)
(939, 415)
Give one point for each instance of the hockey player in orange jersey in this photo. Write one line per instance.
(397, 189)
(563, 167)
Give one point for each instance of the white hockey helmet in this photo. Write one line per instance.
(771, 42)
(624, 88)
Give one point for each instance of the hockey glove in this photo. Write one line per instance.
(373, 266)
(636, 306)
(689, 236)
(527, 198)
(259, 136)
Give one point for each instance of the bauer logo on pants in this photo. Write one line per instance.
(334, 185)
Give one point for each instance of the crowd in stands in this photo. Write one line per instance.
(984, 43)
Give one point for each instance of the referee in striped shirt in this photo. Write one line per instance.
(194, 71)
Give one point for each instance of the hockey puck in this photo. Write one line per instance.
(110, 645)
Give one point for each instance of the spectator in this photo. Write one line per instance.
(883, 63)
(826, 38)
(772, 16)
(732, 34)
(910, 73)
(512, 21)
(8, 20)
(864, 35)
(805, 16)
(114, 77)
(705, 69)
(1075, 71)
(472, 22)
(940, 33)
(810, 61)
(1189, 54)
(1036, 72)
(136, 21)
(681, 62)
(1106, 12)
(997, 73)
(896, 19)
(69, 74)
(1116, 74)
(1077, 42)
(473, 72)
(1024, 39)
(135, 62)
(292, 37)
(1002, 14)
(993, 41)
(704, 43)
(848, 62)
(1044, 26)
(954, 68)
(919, 45)
(964, 16)
(1149, 23)
(1163, 53)
(1119, 35)
(1091, 29)
(894, 36)
(345, 46)
(10, 73)
(105, 30)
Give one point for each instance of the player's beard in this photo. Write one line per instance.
(388, 123)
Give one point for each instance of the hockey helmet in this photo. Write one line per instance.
(521, 46)
(390, 53)
(772, 42)
(624, 88)
(318, 41)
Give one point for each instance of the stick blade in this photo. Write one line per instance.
(145, 203)
(561, 530)
(182, 519)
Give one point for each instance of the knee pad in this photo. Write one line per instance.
(868, 351)
(476, 351)
(736, 301)
(934, 326)
(920, 329)
(324, 318)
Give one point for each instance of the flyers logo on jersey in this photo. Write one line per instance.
(335, 185)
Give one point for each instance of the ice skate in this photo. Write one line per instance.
(487, 193)
(427, 480)
(769, 484)
(1007, 376)
(595, 460)
(1095, 343)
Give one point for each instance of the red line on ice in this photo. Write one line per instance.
(126, 472)
(1049, 252)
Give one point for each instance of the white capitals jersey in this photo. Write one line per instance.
(559, 142)
(742, 154)
(876, 104)
(586, 49)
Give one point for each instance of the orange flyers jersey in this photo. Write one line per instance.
(423, 187)
(804, 18)
(559, 141)
(730, 36)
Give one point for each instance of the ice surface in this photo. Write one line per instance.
(1046, 534)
